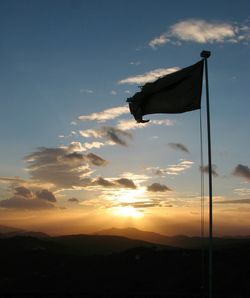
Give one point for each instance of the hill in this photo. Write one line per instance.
(180, 241)
(133, 233)
(114, 266)
(8, 232)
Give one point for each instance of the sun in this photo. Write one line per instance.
(124, 201)
(127, 211)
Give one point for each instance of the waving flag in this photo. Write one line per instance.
(177, 92)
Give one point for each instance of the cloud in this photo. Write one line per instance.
(91, 133)
(15, 180)
(148, 76)
(131, 124)
(103, 182)
(178, 146)
(105, 115)
(46, 195)
(62, 167)
(205, 169)
(24, 198)
(242, 171)
(96, 160)
(81, 147)
(127, 183)
(19, 202)
(174, 170)
(115, 135)
(160, 40)
(202, 31)
(179, 168)
(112, 134)
(242, 191)
(157, 187)
(23, 191)
(142, 204)
(138, 178)
(240, 201)
(73, 200)
(88, 91)
(115, 183)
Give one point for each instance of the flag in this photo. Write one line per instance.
(177, 92)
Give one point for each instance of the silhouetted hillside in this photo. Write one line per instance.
(98, 244)
(8, 232)
(175, 241)
(108, 266)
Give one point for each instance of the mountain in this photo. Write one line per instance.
(101, 244)
(133, 233)
(115, 266)
(180, 241)
(6, 229)
(77, 245)
(8, 232)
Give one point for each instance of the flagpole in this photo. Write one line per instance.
(205, 55)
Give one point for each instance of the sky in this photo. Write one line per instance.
(73, 159)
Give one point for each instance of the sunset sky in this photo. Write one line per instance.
(73, 159)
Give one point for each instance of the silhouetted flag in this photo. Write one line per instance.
(177, 92)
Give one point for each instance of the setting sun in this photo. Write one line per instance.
(127, 211)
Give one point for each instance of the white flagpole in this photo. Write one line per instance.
(205, 55)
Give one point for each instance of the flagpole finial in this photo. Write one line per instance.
(205, 54)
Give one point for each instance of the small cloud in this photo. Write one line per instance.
(160, 40)
(103, 182)
(242, 171)
(90, 133)
(15, 180)
(73, 200)
(179, 168)
(157, 171)
(157, 187)
(202, 31)
(178, 146)
(127, 183)
(116, 135)
(135, 63)
(174, 170)
(165, 122)
(87, 91)
(45, 195)
(205, 169)
(242, 191)
(148, 76)
(115, 183)
(108, 114)
(23, 192)
(112, 134)
(96, 160)
(131, 124)
(93, 145)
(113, 92)
(18, 202)
(240, 201)
(142, 204)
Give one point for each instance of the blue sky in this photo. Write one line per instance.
(67, 70)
